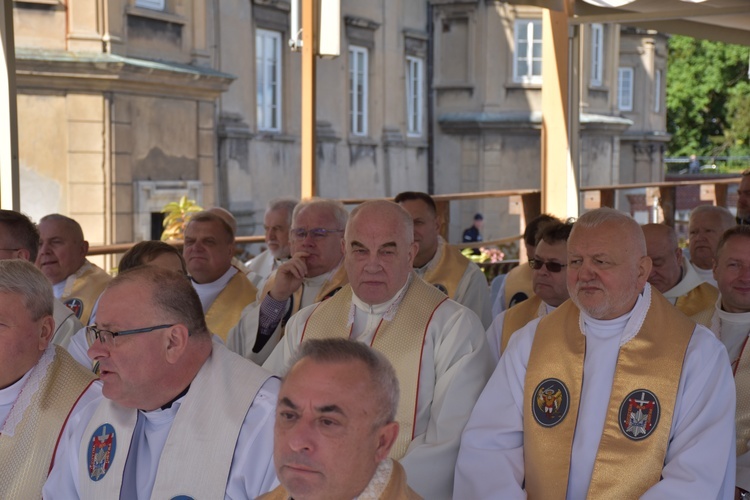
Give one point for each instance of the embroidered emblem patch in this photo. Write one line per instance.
(517, 298)
(441, 288)
(639, 414)
(75, 305)
(550, 402)
(101, 451)
(182, 497)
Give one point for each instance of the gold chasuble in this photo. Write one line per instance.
(82, 289)
(28, 449)
(518, 316)
(518, 285)
(447, 273)
(699, 303)
(400, 340)
(636, 431)
(226, 310)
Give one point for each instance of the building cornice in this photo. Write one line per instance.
(73, 71)
(453, 123)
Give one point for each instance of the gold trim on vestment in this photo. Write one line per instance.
(699, 300)
(517, 317)
(742, 413)
(87, 287)
(652, 360)
(447, 273)
(400, 340)
(226, 310)
(517, 280)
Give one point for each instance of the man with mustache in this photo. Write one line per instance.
(335, 424)
(276, 224)
(615, 394)
(707, 224)
(313, 273)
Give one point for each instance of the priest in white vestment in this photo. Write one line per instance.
(277, 221)
(436, 345)
(706, 225)
(181, 414)
(613, 395)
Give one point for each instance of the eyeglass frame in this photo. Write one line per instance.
(553, 267)
(300, 234)
(97, 333)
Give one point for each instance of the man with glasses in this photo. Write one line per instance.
(223, 289)
(435, 344)
(675, 277)
(19, 239)
(41, 386)
(614, 394)
(313, 273)
(548, 282)
(441, 264)
(182, 415)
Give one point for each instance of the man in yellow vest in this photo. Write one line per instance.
(41, 386)
(436, 345)
(706, 225)
(19, 239)
(614, 394)
(62, 258)
(182, 416)
(313, 273)
(731, 324)
(548, 282)
(441, 264)
(353, 390)
(223, 289)
(674, 276)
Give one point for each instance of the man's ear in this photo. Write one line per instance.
(387, 435)
(177, 341)
(47, 331)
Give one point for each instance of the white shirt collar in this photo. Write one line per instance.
(626, 326)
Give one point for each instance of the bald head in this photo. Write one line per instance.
(62, 249)
(665, 254)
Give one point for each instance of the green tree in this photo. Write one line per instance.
(708, 97)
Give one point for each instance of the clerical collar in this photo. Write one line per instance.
(169, 404)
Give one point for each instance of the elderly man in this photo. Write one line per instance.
(548, 282)
(706, 225)
(41, 386)
(441, 264)
(674, 276)
(276, 223)
(731, 324)
(19, 239)
(223, 289)
(62, 259)
(436, 345)
(312, 274)
(615, 394)
(182, 415)
(743, 199)
(354, 388)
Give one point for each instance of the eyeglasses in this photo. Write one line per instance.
(106, 337)
(317, 233)
(553, 267)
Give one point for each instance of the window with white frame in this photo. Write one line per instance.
(414, 95)
(268, 79)
(150, 4)
(527, 57)
(657, 91)
(625, 89)
(358, 89)
(597, 54)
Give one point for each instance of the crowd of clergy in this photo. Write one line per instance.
(362, 356)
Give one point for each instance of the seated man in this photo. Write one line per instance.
(182, 415)
(548, 282)
(614, 394)
(355, 389)
(229, 219)
(731, 324)
(62, 259)
(441, 264)
(706, 225)
(40, 384)
(743, 199)
(223, 289)
(19, 238)
(436, 345)
(674, 276)
(312, 274)
(516, 285)
(277, 221)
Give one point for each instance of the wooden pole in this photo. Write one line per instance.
(309, 42)
(9, 185)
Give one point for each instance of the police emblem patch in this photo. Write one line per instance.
(182, 497)
(441, 288)
(101, 451)
(639, 414)
(517, 299)
(550, 402)
(75, 305)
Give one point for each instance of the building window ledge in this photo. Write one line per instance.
(156, 15)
